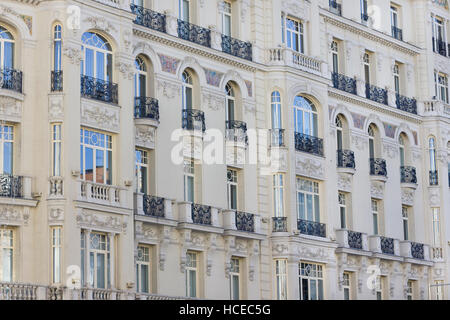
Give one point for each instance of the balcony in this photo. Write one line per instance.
(11, 79)
(440, 47)
(433, 178)
(193, 33)
(153, 206)
(343, 83)
(193, 120)
(378, 167)
(414, 250)
(149, 18)
(348, 239)
(101, 193)
(57, 81)
(408, 175)
(279, 224)
(312, 228)
(11, 186)
(146, 108)
(376, 94)
(245, 221)
(346, 159)
(236, 47)
(387, 245)
(417, 250)
(406, 104)
(288, 57)
(201, 214)
(309, 144)
(335, 7)
(277, 137)
(99, 89)
(397, 33)
(236, 131)
(437, 253)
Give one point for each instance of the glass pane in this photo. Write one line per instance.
(313, 289)
(8, 55)
(142, 86)
(190, 191)
(346, 294)
(91, 268)
(186, 10)
(99, 166)
(371, 149)
(100, 270)
(8, 158)
(320, 289)
(57, 56)
(316, 208)
(100, 66)
(343, 224)
(143, 182)
(301, 206)
(188, 102)
(89, 63)
(108, 67)
(309, 207)
(230, 111)
(192, 283)
(144, 278)
(235, 286)
(375, 224)
(233, 197)
(306, 123)
(227, 25)
(304, 289)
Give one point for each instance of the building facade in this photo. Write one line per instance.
(235, 149)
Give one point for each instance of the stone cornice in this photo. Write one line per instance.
(368, 33)
(32, 2)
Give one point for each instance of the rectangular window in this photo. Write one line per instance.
(56, 240)
(375, 216)
(347, 285)
(141, 170)
(294, 34)
(438, 286)
(95, 250)
(57, 37)
(342, 210)
(6, 149)
(226, 18)
(335, 56)
(189, 180)
(96, 156)
(56, 149)
(184, 10)
(278, 196)
(410, 290)
(381, 287)
(366, 63)
(364, 15)
(308, 200)
(281, 278)
(235, 279)
(310, 281)
(143, 269)
(405, 223)
(232, 189)
(6, 254)
(397, 78)
(191, 274)
(441, 87)
(436, 227)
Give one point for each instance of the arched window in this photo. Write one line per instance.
(371, 131)
(186, 90)
(305, 116)
(140, 77)
(230, 102)
(57, 39)
(97, 53)
(339, 132)
(276, 110)
(6, 49)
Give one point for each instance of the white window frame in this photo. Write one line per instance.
(405, 222)
(230, 112)
(309, 189)
(143, 260)
(189, 173)
(299, 34)
(347, 285)
(276, 109)
(140, 166)
(192, 263)
(313, 274)
(342, 202)
(90, 276)
(375, 216)
(441, 87)
(281, 278)
(410, 290)
(56, 253)
(185, 16)
(394, 12)
(2, 49)
(366, 65)
(140, 72)
(6, 136)
(309, 117)
(56, 149)
(435, 216)
(232, 181)
(396, 73)
(335, 55)
(227, 15)
(6, 234)
(187, 84)
(105, 52)
(57, 47)
(235, 273)
(278, 195)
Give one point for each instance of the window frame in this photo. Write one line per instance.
(281, 279)
(12, 251)
(314, 194)
(298, 33)
(139, 264)
(3, 41)
(318, 279)
(342, 203)
(189, 172)
(235, 272)
(107, 75)
(375, 216)
(57, 47)
(232, 181)
(194, 268)
(142, 169)
(278, 194)
(7, 138)
(405, 223)
(56, 149)
(56, 234)
(227, 14)
(309, 122)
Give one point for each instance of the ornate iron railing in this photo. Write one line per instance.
(11, 79)
(277, 137)
(153, 206)
(387, 245)
(149, 18)
(355, 240)
(279, 224)
(417, 250)
(408, 174)
(236, 131)
(237, 47)
(57, 80)
(245, 221)
(11, 186)
(406, 104)
(193, 120)
(191, 32)
(397, 33)
(335, 7)
(312, 228)
(343, 82)
(346, 159)
(434, 178)
(439, 47)
(201, 214)
(146, 107)
(378, 167)
(376, 94)
(307, 143)
(99, 89)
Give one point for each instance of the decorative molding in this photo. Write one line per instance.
(309, 167)
(101, 23)
(55, 214)
(55, 108)
(313, 253)
(168, 64)
(10, 108)
(344, 182)
(74, 54)
(389, 130)
(213, 78)
(169, 89)
(213, 101)
(390, 149)
(360, 142)
(298, 9)
(358, 120)
(249, 86)
(28, 20)
(377, 190)
(407, 196)
(434, 196)
(99, 115)
(126, 69)
(90, 220)
(12, 215)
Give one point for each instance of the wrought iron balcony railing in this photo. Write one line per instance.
(193, 119)
(201, 214)
(57, 81)
(417, 250)
(277, 137)
(343, 82)
(191, 32)
(434, 178)
(237, 47)
(153, 206)
(387, 245)
(376, 94)
(335, 7)
(346, 159)
(146, 107)
(439, 46)
(11, 79)
(378, 167)
(99, 89)
(312, 228)
(364, 18)
(11, 186)
(245, 221)
(406, 104)
(355, 240)
(149, 18)
(279, 224)
(307, 143)
(397, 33)
(236, 131)
(408, 174)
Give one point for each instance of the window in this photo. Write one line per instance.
(226, 19)
(294, 34)
(366, 63)
(305, 116)
(438, 284)
(380, 288)
(401, 142)
(342, 209)
(140, 77)
(184, 9)
(56, 240)
(281, 278)
(364, 15)
(441, 87)
(438, 33)
(397, 78)
(409, 290)
(436, 227)
(186, 90)
(276, 110)
(56, 150)
(138, 2)
(191, 274)
(278, 195)
(57, 39)
(405, 223)
(347, 285)
(308, 200)
(230, 102)
(96, 156)
(189, 180)
(6, 254)
(235, 279)
(335, 56)
(311, 281)
(6, 149)
(143, 269)
(339, 133)
(371, 132)
(395, 29)
(375, 216)
(141, 170)
(232, 186)
(97, 53)
(6, 49)
(95, 249)
(433, 168)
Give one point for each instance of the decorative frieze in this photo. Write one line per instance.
(14, 215)
(91, 220)
(10, 109)
(100, 115)
(213, 78)
(168, 64)
(377, 190)
(169, 89)
(358, 120)
(309, 167)
(145, 136)
(213, 101)
(55, 108)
